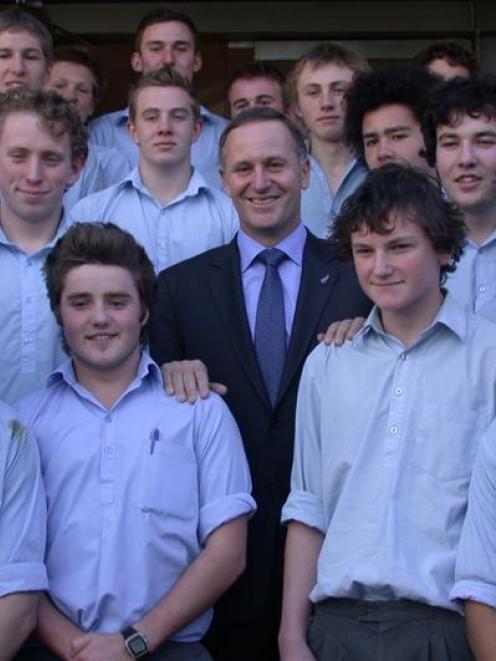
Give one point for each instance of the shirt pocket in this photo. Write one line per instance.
(445, 439)
(168, 480)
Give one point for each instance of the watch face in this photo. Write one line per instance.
(137, 645)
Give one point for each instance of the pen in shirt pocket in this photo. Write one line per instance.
(154, 438)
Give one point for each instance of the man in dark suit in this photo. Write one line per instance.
(231, 308)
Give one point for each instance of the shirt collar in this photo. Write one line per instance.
(62, 227)
(147, 368)
(490, 239)
(196, 185)
(450, 315)
(354, 164)
(292, 245)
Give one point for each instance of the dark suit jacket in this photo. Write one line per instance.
(201, 314)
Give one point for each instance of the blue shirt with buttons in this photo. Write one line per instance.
(29, 334)
(385, 441)
(198, 219)
(319, 205)
(133, 493)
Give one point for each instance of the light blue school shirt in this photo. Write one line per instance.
(319, 206)
(473, 284)
(22, 509)
(104, 166)
(385, 441)
(110, 130)
(30, 340)
(476, 561)
(198, 219)
(133, 493)
(253, 273)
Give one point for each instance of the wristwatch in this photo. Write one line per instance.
(136, 643)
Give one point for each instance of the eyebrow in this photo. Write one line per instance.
(388, 131)
(160, 42)
(389, 242)
(477, 134)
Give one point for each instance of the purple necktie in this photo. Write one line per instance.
(270, 325)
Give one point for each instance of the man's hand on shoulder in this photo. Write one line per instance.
(99, 647)
(188, 380)
(340, 331)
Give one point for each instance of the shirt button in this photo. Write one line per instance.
(27, 339)
(108, 418)
(393, 429)
(482, 288)
(404, 356)
(108, 450)
(398, 391)
(161, 244)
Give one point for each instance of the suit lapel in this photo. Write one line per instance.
(318, 279)
(227, 295)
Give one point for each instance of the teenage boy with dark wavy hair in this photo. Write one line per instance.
(384, 116)
(460, 137)
(387, 428)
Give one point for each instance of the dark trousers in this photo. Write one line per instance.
(349, 630)
(169, 651)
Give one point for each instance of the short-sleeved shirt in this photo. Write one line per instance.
(476, 561)
(29, 334)
(385, 441)
(133, 493)
(110, 130)
(22, 509)
(319, 206)
(198, 219)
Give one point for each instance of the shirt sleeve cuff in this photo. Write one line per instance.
(304, 507)
(222, 510)
(475, 591)
(23, 577)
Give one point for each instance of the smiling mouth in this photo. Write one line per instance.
(32, 193)
(262, 201)
(468, 179)
(101, 337)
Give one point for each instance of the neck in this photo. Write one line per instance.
(107, 385)
(268, 238)
(166, 182)
(406, 327)
(29, 235)
(333, 157)
(480, 225)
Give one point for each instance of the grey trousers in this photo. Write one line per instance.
(349, 630)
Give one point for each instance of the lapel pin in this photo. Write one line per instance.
(324, 280)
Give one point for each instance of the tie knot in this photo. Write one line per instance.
(271, 257)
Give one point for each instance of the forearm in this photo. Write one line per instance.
(17, 620)
(205, 580)
(303, 545)
(481, 629)
(54, 629)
